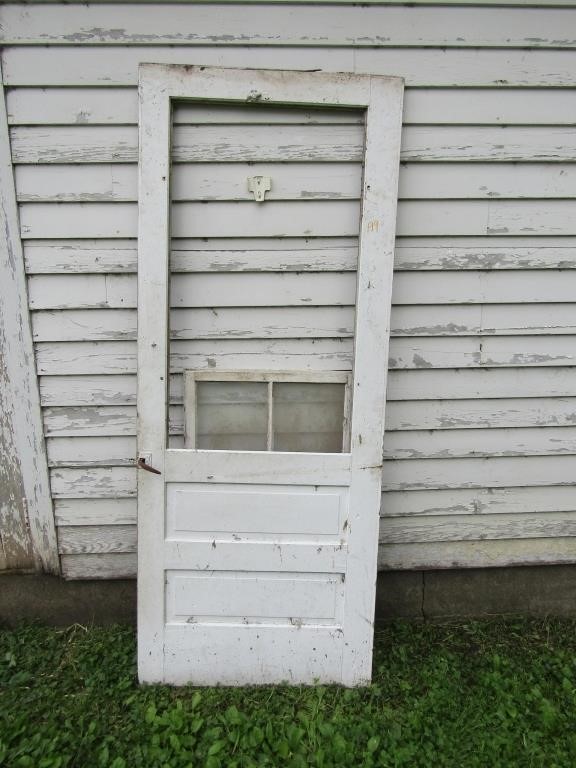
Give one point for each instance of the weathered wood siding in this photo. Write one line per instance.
(480, 453)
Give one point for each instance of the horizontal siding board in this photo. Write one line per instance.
(119, 106)
(117, 451)
(239, 323)
(469, 443)
(211, 181)
(105, 566)
(467, 554)
(91, 451)
(493, 253)
(84, 66)
(90, 421)
(95, 512)
(487, 383)
(118, 182)
(476, 554)
(446, 415)
(120, 357)
(467, 352)
(103, 482)
(334, 218)
(316, 289)
(408, 475)
(474, 528)
(88, 390)
(76, 540)
(305, 143)
(285, 26)
(307, 322)
(96, 539)
(201, 290)
(420, 384)
(87, 358)
(417, 474)
(473, 502)
(215, 255)
(481, 414)
(516, 500)
(412, 254)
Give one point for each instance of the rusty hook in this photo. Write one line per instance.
(141, 464)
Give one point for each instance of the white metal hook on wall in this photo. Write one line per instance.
(259, 185)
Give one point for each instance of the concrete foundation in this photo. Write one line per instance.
(416, 595)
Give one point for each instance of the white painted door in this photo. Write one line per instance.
(257, 546)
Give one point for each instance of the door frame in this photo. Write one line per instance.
(381, 97)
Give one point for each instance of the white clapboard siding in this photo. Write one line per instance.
(409, 475)
(481, 417)
(249, 289)
(464, 528)
(437, 555)
(109, 420)
(75, 358)
(464, 443)
(478, 501)
(302, 143)
(419, 384)
(96, 539)
(421, 474)
(199, 290)
(275, 219)
(475, 554)
(108, 566)
(486, 253)
(118, 182)
(332, 254)
(314, 219)
(210, 181)
(297, 255)
(484, 383)
(308, 322)
(482, 351)
(475, 502)
(281, 25)
(77, 540)
(83, 66)
(95, 451)
(88, 390)
(119, 106)
(233, 322)
(95, 511)
(83, 358)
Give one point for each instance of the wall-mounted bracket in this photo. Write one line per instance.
(259, 185)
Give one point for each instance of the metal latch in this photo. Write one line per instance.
(259, 185)
(144, 461)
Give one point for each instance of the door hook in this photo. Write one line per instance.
(141, 464)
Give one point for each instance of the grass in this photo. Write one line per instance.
(477, 694)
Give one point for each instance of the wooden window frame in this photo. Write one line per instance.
(270, 378)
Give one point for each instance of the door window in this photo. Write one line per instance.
(265, 411)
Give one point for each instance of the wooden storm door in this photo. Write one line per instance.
(257, 558)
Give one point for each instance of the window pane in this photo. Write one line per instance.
(231, 415)
(308, 417)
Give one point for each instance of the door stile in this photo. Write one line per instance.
(153, 368)
(371, 342)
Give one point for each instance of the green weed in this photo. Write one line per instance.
(475, 695)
